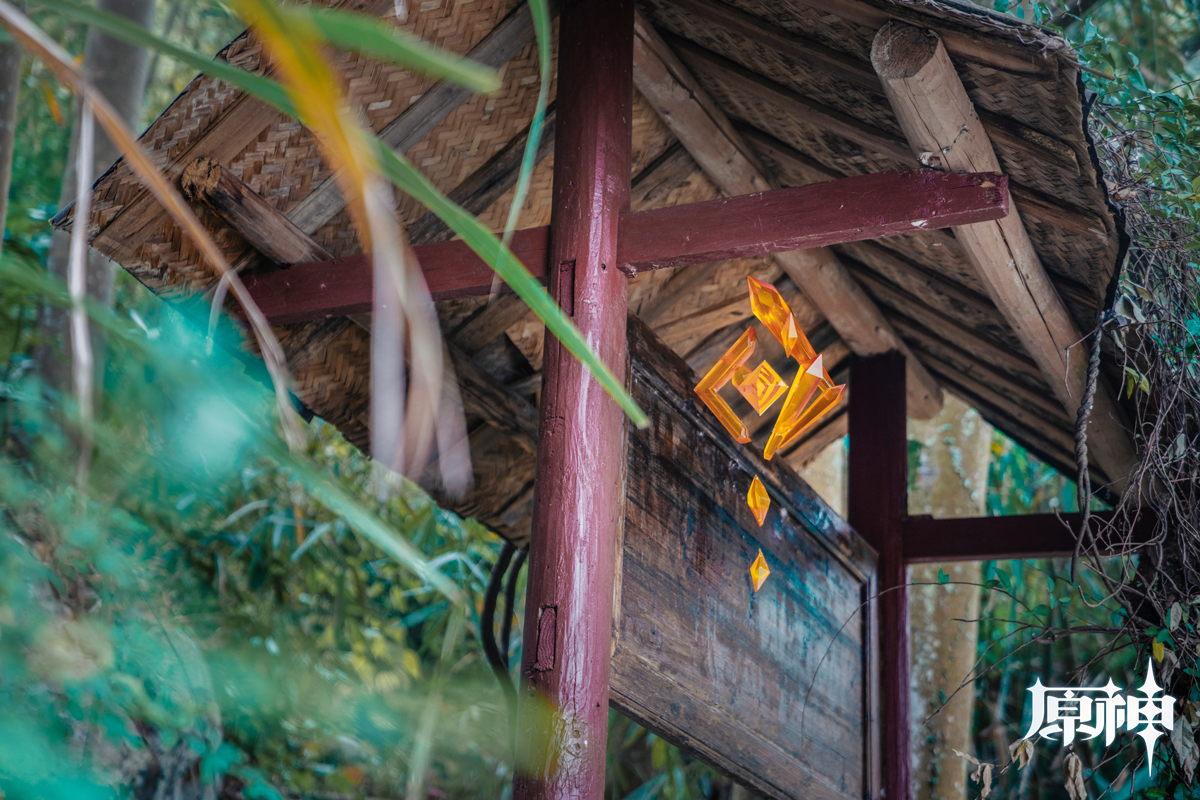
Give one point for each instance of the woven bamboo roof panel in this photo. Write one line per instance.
(795, 78)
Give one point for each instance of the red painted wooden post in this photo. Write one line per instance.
(877, 503)
(577, 499)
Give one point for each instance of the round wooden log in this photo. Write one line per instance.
(941, 125)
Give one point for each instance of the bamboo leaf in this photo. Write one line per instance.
(375, 38)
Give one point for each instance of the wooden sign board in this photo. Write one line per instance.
(778, 688)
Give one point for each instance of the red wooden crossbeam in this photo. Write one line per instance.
(344, 286)
(996, 538)
(817, 215)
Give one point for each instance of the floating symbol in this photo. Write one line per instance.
(761, 388)
(811, 397)
(759, 571)
(758, 500)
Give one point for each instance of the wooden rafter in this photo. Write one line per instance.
(207, 183)
(709, 136)
(941, 125)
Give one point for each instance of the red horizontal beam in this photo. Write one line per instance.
(996, 538)
(343, 286)
(817, 215)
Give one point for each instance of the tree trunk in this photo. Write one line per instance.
(118, 71)
(11, 54)
(950, 480)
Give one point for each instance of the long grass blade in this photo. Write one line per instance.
(407, 178)
(38, 44)
(295, 44)
(372, 37)
(541, 26)
(77, 264)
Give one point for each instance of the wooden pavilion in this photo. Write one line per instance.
(982, 285)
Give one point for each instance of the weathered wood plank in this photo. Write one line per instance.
(690, 622)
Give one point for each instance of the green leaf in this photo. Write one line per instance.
(943, 577)
(375, 38)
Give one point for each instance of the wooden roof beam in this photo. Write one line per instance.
(1017, 536)
(756, 224)
(208, 184)
(709, 136)
(804, 217)
(942, 127)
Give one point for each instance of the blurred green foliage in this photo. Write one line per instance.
(197, 595)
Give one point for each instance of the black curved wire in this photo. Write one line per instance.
(510, 597)
(487, 633)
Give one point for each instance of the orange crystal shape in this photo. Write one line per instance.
(803, 390)
(773, 311)
(758, 500)
(825, 403)
(761, 388)
(759, 571)
(734, 359)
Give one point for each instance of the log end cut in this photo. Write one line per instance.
(900, 51)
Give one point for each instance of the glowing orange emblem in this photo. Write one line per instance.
(811, 396)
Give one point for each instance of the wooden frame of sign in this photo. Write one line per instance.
(778, 688)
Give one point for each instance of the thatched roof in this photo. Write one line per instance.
(796, 79)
